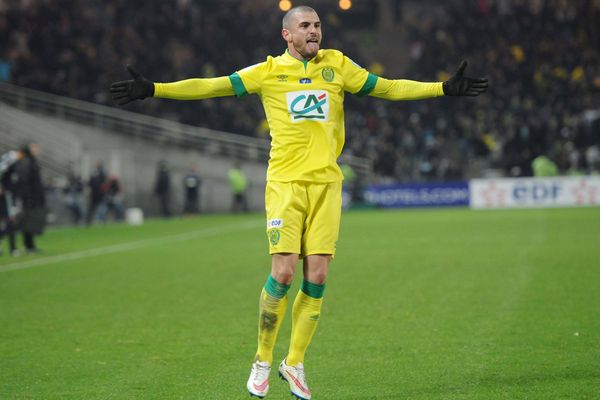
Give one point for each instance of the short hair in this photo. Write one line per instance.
(25, 148)
(288, 15)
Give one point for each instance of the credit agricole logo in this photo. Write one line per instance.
(308, 105)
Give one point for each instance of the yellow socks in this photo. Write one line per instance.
(305, 318)
(272, 308)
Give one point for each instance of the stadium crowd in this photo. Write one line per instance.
(542, 58)
(543, 62)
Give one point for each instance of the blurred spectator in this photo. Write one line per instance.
(349, 184)
(8, 206)
(113, 201)
(73, 192)
(4, 71)
(7, 222)
(162, 188)
(543, 166)
(191, 185)
(30, 191)
(238, 184)
(96, 194)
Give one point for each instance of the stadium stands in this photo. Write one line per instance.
(541, 57)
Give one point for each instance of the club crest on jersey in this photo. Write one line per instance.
(308, 105)
(327, 74)
(274, 236)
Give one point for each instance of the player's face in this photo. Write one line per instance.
(303, 35)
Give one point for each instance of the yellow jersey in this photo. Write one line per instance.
(303, 103)
(304, 106)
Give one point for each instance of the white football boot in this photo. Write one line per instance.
(258, 383)
(296, 379)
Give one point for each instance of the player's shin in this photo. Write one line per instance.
(272, 308)
(305, 318)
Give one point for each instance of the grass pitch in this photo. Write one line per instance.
(427, 304)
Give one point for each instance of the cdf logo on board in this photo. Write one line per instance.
(535, 192)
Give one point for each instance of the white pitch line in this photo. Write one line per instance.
(99, 251)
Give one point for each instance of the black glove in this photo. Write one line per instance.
(459, 85)
(139, 88)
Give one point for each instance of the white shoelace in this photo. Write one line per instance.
(300, 372)
(260, 371)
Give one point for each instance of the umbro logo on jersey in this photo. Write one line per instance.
(282, 78)
(308, 104)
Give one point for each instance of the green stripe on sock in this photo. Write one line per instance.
(312, 289)
(276, 289)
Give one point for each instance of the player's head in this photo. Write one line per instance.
(301, 29)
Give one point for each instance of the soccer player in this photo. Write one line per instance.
(302, 92)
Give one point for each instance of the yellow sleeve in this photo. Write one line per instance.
(356, 78)
(248, 80)
(403, 89)
(194, 89)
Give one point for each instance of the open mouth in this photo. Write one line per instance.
(312, 45)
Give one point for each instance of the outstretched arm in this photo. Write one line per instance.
(195, 89)
(403, 89)
(457, 85)
(139, 88)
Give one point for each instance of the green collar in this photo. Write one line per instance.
(304, 62)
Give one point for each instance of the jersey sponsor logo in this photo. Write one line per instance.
(305, 80)
(327, 74)
(275, 223)
(308, 104)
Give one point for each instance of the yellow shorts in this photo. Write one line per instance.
(303, 217)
